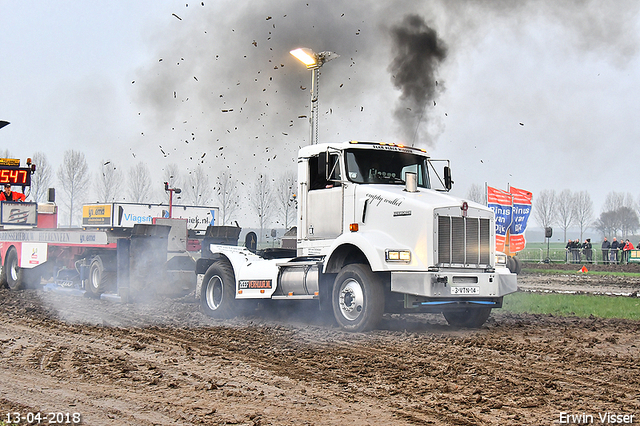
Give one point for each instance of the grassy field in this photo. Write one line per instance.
(573, 305)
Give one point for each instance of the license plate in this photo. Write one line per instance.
(465, 290)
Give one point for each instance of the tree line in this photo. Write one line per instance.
(271, 200)
(566, 209)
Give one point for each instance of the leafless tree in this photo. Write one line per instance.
(477, 194)
(228, 195)
(619, 215)
(5, 153)
(139, 183)
(607, 224)
(628, 220)
(262, 202)
(583, 211)
(615, 200)
(41, 179)
(545, 208)
(286, 187)
(198, 190)
(74, 178)
(172, 175)
(565, 211)
(108, 186)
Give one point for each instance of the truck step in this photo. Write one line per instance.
(295, 297)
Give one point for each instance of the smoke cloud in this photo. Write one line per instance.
(413, 69)
(221, 81)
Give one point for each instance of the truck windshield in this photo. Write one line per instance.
(382, 166)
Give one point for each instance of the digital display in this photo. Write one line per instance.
(15, 175)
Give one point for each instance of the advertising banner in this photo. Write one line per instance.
(520, 211)
(500, 202)
(126, 215)
(18, 213)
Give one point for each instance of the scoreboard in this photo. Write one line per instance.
(20, 176)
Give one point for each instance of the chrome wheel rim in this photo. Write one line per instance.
(214, 292)
(351, 299)
(95, 278)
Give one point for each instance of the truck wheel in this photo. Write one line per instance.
(99, 280)
(217, 296)
(358, 298)
(14, 274)
(470, 317)
(517, 265)
(3, 277)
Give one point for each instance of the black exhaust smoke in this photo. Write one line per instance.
(419, 52)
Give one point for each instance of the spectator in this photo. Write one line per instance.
(606, 245)
(613, 253)
(587, 249)
(9, 195)
(626, 249)
(576, 251)
(567, 249)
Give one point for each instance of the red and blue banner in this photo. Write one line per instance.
(500, 202)
(520, 215)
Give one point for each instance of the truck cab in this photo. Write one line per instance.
(374, 236)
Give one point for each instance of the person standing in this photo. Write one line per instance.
(9, 195)
(587, 249)
(613, 253)
(577, 258)
(568, 253)
(626, 250)
(606, 245)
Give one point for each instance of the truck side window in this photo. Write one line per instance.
(318, 177)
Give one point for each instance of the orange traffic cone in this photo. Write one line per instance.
(583, 269)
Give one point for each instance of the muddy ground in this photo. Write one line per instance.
(164, 363)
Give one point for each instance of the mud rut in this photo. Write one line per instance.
(164, 363)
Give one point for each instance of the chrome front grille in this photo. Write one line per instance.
(464, 241)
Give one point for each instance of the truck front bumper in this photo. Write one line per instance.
(455, 283)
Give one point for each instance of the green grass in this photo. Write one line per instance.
(569, 272)
(573, 305)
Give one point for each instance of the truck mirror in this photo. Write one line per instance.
(448, 183)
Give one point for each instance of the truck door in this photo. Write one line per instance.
(325, 205)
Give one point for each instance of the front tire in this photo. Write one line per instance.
(217, 296)
(469, 318)
(358, 298)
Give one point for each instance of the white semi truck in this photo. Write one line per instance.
(373, 236)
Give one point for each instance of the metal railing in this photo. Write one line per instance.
(598, 256)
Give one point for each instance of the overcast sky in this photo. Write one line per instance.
(533, 94)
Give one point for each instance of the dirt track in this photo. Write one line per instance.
(164, 363)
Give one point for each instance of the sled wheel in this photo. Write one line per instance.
(99, 280)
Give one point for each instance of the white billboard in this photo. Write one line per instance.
(125, 215)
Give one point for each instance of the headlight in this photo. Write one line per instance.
(397, 256)
(501, 259)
